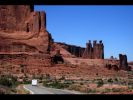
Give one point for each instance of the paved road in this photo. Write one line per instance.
(45, 90)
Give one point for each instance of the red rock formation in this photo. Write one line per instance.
(95, 52)
(12, 17)
(88, 53)
(26, 46)
(19, 24)
(74, 50)
(123, 62)
(24, 38)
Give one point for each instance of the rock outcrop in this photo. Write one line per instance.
(95, 52)
(22, 29)
(123, 62)
(26, 47)
(76, 51)
(120, 64)
(24, 39)
(13, 17)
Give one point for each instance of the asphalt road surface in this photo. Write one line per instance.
(45, 90)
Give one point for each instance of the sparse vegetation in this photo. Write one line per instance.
(62, 78)
(8, 84)
(55, 84)
(91, 91)
(130, 84)
(26, 81)
(110, 80)
(116, 79)
(75, 87)
(100, 82)
(8, 80)
(48, 81)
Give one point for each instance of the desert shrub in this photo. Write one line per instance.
(130, 84)
(26, 81)
(91, 91)
(81, 83)
(106, 90)
(83, 64)
(33, 76)
(123, 82)
(116, 81)
(7, 90)
(117, 90)
(8, 80)
(46, 83)
(22, 70)
(96, 74)
(62, 78)
(41, 77)
(69, 82)
(110, 80)
(100, 82)
(48, 77)
(58, 85)
(4, 90)
(21, 65)
(13, 90)
(75, 87)
(55, 84)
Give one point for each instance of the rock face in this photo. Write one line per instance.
(76, 51)
(23, 30)
(26, 47)
(95, 52)
(24, 38)
(57, 58)
(12, 17)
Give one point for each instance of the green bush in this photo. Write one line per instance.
(110, 80)
(8, 81)
(75, 87)
(26, 81)
(48, 77)
(69, 82)
(130, 85)
(58, 85)
(62, 78)
(55, 84)
(106, 90)
(46, 82)
(116, 79)
(81, 83)
(41, 77)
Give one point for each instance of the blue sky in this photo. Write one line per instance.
(77, 24)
